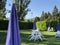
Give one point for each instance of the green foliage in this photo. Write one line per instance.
(2, 4)
(55, 11)
(22, 25)
(26, 25)
(2, 9)
(46, 16)
(41, 25)
(54, 16)
(54, 24)
(3, 24)
(22, 8)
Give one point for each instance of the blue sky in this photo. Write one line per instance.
(37, 6)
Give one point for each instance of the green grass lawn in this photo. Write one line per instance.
(49, 38)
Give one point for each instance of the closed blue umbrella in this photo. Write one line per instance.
(58, 27)
(34, 25)
(13, 36)
(49, 25)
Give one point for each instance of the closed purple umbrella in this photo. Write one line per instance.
(58, 27)
(34, 25)
(49, 25)
(13, 35)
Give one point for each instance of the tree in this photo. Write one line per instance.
(55, 12)
(2, 9)
(22, 9)
(49, 16)
(42, 16)
(37, 18)
(46, 16)
(58, 15)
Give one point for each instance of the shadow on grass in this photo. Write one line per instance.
(2, 37)
(48, 39)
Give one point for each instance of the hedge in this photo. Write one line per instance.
(41, 25)
(53, 24)
(3, 24)
(22, 25)
(25, 25)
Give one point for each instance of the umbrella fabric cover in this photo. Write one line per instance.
(13, 35)
(34, 25)
(58, 27)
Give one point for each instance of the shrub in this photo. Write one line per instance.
(3, 24)
(22, 25)
(41, 25)
(54, 24)
(26, 25)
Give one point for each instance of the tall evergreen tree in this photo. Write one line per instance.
(42, 16)
(46, 16)
(55, 12)
(49, 16)
(58, 15)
